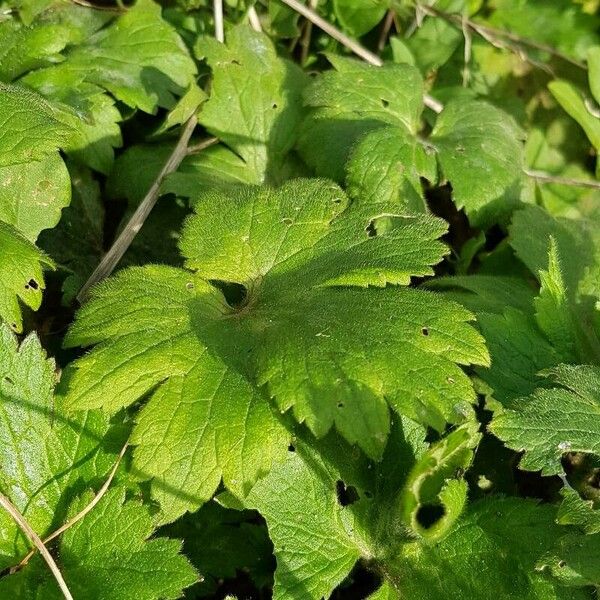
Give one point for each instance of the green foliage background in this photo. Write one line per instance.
(353, 351)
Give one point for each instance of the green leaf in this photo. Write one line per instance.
(26, 48)
(593, 59)
(577, 241)
(357, 17)
(352, 504)
(385, 592)
(432, 500)
(93, 115)
(33, 194)
(574, 510)
(261, 125)
(46, 457)
(553, 313)
(483, 293)
(354, 99)
(493, 549)
(392, 94)
(314, 551)
(505, 316)
(127, 181)
(571, 100)
(433, 43)
(300, 262)
(31, 126)
(578, 245)
(216, 166)
(494, 545)
(21, 277)
(76, 243)
(108, 555)
(138, 58)
(575, 560)
(518, 351)
(187, 105)
(479, 151)
(552, 422)
(396, 178)
(366, 120)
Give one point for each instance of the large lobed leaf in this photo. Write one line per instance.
(308, 324)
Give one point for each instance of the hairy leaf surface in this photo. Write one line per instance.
(47, 457)
(30, 127)
(108, 555)
(263, 302)
(261, 125)
(21, 275)
(552, 422)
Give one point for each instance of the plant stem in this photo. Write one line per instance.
(122, 243)
(82, 513)
(466, 75)
(218, 15)
(305, 42)
(547, 178)
(195, 148)
(385, 30)
(351, 44)
(309, 14)
(490, 32)
(254, 20)
(20, 520)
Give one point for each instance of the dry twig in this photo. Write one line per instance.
(351, 44)
(499, 36)
(122, 243)
(195, 148)
(547, 178)
(218, 15)
(20, 520)
(385, 30)
(254, 20)
(82, 513)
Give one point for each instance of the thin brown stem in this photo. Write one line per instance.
(122, 243)
(307, 34)
(388, 22)
(466, 75)
(309, 14)
(86, 4)
(196, 148)
(20, 520)
(509, 47)
(351, 44)
(254, 20)
(547, 178)
(491, 32)
(82, 513)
